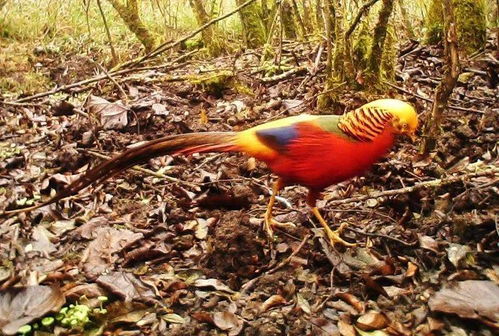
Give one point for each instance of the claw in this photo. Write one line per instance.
(270, 223)
(334, 236)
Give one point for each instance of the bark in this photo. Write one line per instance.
(307, 17)
(376, 53)
(129, 12)
(253, 26)
(405, 19)
(351, 69)
(431, 129)
(209, 35)
(2, 3)
(301, 24)
(287, 20)
(471, 24)
(338, 14)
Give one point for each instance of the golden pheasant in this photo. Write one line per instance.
(315, 151)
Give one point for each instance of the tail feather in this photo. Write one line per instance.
(168, 145)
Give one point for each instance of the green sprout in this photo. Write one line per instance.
(25, 329)
(48, 321)
(76, 316)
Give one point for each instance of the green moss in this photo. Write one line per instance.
(389, 58)
(361, 46)
(213, 84)
(253, 26)
(471, 24)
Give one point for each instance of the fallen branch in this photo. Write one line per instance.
(427, 184)
(284, 75)
(168, 65)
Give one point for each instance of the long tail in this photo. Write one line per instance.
(175, 144)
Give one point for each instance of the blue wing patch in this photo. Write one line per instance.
(277, 138)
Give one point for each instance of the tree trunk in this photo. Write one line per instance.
(376, 54)
(2, 3)
(253, 27)
(307, 17)
(471, 23)
(431, 129)
(129, 12)
(287, 20)
(299, 19)
(209, 34)
(406, 20)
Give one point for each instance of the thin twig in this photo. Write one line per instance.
(98, 78)
(452, 107)
(291, 256)
(427, 184)
(108, 33)
(414, 243)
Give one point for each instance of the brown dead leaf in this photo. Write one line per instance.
(469, 299)
(428, 243)
(372, 320)
(228, 322)
(274, 300)
(112, 115)
(352, 300)
(303, 304)
(215, 283)
(41, 241)
(19, 306)
(412, 269)
(127, 286)
(100, 253)
(346, 329)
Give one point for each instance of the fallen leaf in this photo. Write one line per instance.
(303, 304)
(352, 300)
(469, 299)
(41, 241)
(274, 300)
(173, 318)
(228, 322)
(112, 115)
(131, 317)
(346, 329)
(100, 253)
(201, 228)
(428, 243)
(127, 286)
(412, 269)
(19, 306)
(371, 333)
(456, 253)
(215, 283)
(372, 320)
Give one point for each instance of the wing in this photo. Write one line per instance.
(277, 138)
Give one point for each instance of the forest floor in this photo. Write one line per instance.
(187, 255)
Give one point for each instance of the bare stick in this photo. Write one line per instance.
(427, 184)
(108, 33)
(98, 78)
(452, 107)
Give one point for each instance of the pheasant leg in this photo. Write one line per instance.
(333, 235)
(269, 221)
